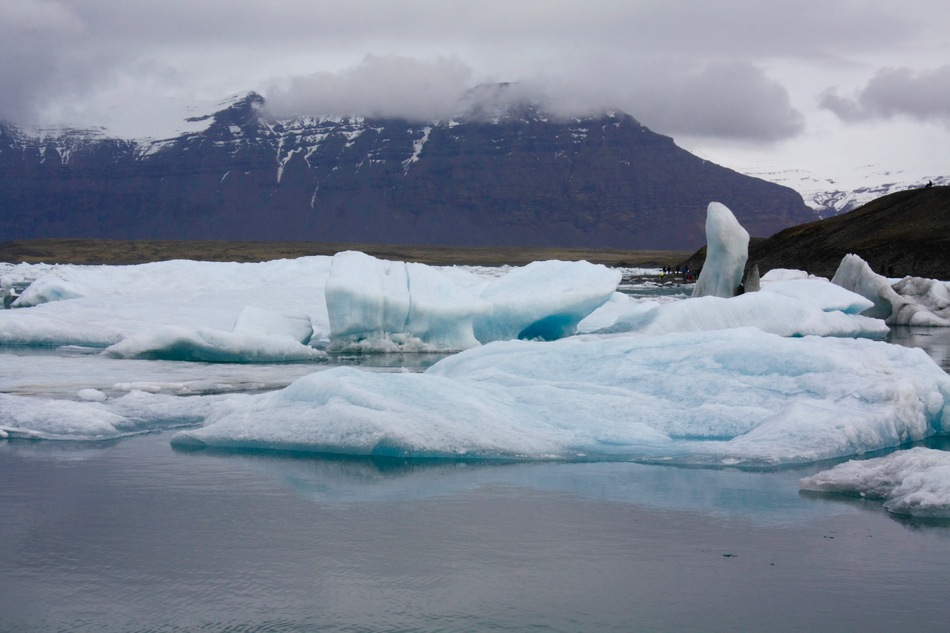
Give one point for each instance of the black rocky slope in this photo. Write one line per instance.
(515, 178)
(904, 233)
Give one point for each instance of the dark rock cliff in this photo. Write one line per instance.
(904, 233)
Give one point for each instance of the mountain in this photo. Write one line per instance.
(501, 173)
(904, 233)
(830, 196)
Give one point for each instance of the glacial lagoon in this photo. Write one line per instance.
(136, 534)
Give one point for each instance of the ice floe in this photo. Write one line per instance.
(738, 396)
(784, 313)
(910, 301)
(258, 336)
(914, 482)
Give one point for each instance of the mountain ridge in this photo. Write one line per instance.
(509, 175)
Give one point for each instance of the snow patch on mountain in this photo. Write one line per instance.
(830, 196)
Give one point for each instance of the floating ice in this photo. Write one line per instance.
(136, 412)
(544, 300)
(374, 300)
(730, 397)
(786, 274)
(914, 482)
(822, 294)
(928, 302)
(111, 303)
(91, 395)
(47, 288)
(369, 299)
(258, 336)
(911, 301)
(727, 249)
(777, 312)
(23, 327)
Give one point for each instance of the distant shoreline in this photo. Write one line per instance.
(117, 252)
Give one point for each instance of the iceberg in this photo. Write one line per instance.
(787, 311)
(914, 482)
(93, 418)
(544, 300)
(106, 304)
(727, 250)
(370, 300)
(910, 301)
(928, 302)
(821, 294)
(22, 327)
(48, 288)
(259, 336)
(712, 398)
(372, 303)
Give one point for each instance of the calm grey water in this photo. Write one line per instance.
(135, 536)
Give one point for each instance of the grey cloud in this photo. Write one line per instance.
(723, 100)
(923, 95)
(379, 86)
(682, 67)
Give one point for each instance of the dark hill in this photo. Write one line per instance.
(518, 178)
(904, 233)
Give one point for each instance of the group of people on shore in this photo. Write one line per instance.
(680, 271)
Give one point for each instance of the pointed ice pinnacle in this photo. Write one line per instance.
(727, 249)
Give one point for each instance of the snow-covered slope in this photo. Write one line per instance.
(830, 196)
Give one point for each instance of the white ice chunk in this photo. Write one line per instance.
(114, 302)
(47, 288)
(911, 301)
(769, 311)
(914, 482)
(928, 302)
(136, 412)
(733, 396)
(786, 274)
(25, 327)
(854, 274)
(258, 321)
(442, 313)
(91, 395)
(259, 336)
(727, 249)
(544, 300)
(370, 299)
(822, 294)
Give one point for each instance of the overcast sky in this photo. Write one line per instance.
(824, 85)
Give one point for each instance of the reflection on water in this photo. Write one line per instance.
(139, 537)
(933, 340)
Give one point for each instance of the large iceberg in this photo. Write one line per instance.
(727, 250)
(911, 301)
(98, 306)
(544, 300)
(914, 482)
(737, 396)
(371, 301)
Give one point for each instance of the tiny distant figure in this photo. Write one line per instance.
(930, 183)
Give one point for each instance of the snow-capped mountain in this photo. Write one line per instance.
(501, 173)
(834, 196)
